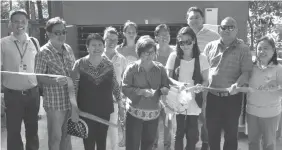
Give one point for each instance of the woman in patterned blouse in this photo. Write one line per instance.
(144, 82)
(96, 84)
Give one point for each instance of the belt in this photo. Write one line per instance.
(23, 92)
(220, 94)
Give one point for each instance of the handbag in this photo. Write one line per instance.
(78, 129)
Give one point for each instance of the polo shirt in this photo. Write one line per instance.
(204, 36)
(11, 60)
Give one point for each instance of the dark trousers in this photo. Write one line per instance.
(186, 125)
(222, 113)
(138, 130)
(97, 134)
(22, 107)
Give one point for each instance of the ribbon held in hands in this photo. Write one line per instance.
(71, 91)
(239, 89)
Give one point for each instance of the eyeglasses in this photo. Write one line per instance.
(182, 43)
(229, 28)
(59, 33)
(149, 53)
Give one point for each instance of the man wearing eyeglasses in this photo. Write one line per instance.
(56, 57)
(195, 19)
(230, 67)
(21, 92)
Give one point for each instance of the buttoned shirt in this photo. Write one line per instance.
(227, 64)
(204, 36)
(11, 60)
(50, 61)
(136, 78)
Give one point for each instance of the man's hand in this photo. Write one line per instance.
(61, 81)
(233, 89)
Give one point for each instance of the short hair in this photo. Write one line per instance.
(195, 9)
(271, 42)
(18, 11)
(160, 27)
(145, 43)
(110, 30)
(52, 22)
(94, 36)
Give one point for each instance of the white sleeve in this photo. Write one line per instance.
(204, 62)
(170, 61)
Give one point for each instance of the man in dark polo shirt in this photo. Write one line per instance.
(230, 67)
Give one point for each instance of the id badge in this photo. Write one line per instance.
(22, 67)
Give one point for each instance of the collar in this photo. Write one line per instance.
(271, 65)
(203, 30)
(15, 39)
(115, 55)
(140, 68)
(51, 47)
(235, 43)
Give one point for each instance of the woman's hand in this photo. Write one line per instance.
(198, 88)
(164, 90)
(272, 84)
(147, 92)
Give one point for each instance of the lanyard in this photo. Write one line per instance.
(22, 55)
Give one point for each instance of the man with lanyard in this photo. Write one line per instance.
(195, 19)
(231, 64)
(21, 92)
(119, 62)
(56, 57)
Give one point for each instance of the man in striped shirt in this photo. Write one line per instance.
(56, 57)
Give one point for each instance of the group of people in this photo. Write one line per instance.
(126, 83)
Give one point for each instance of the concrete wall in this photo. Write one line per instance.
(72, 39)
(117, 12)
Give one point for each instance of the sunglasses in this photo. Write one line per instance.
(182, 43)
(59, 33)
(229, 28)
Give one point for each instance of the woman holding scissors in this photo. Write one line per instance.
(190, 67)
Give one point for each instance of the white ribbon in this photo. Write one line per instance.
(71, 91)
